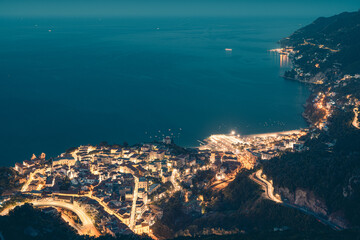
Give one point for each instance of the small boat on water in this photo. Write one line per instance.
(228, 49)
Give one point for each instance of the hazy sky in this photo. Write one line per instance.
(103, 8)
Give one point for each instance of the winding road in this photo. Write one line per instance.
(267, 186)
(87, 226)
(269, 194)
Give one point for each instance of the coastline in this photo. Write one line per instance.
(273, 134)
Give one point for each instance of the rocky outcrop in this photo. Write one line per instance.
(304, 199)
(309, 201)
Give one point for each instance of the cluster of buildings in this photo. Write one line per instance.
(119, 186)
(248, 149)
(324, 104)
(116, 185)
(335, 96)
(309, 61)
(267, 146)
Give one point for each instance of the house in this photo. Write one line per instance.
(91, 179)
(134, 158)
(140, 207)
(141, 228)
(178, 162)
(28, 164)
(267, 155)
(33, 185)
(19, 168)
(140, 170)
(70, 161)
(153, 188)
(142, 194)
(143, 183)
(165, 177)
(192, 162)
(129, 196)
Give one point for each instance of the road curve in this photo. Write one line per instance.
(269, 194)
(87, 224)
(267, 186)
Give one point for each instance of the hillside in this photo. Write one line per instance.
(318, 180)
(326, 178)
(331, 42)
(239, 208)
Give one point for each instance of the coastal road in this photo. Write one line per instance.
(71, 222)
(103, 204)
(273, 134)
(223, 142)
(269, 194)
(87, 226)
(267, 186)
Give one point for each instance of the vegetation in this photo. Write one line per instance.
(8, 179)
(65, 184)
(281, 235)
(173, 218)
(339, 32)
(163, 188)
(238, 208)
(14, 200)
(330, 169)
(328, 172)
(26, 222)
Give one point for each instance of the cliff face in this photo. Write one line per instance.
(305, 199)
(324, 179)
(308, 200)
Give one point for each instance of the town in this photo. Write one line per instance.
(113, 189)
(332, 96)
(117, 189)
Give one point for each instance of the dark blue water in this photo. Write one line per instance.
(135, 80)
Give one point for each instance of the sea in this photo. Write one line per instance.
(66, 82)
